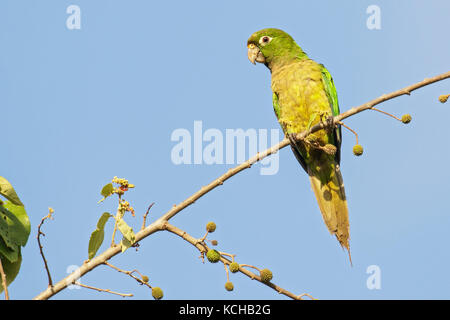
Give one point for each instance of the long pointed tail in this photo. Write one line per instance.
(333, 206)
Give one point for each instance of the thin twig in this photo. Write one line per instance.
(249, 266)
(228, 273)
(350, 129)
(228, 254)
(4, 283)
(145, 216)
(38, 236)
(386, 113)
(129, 273)
(204, 237)
(114, 232)
(157, 225)
(113, 243)
(300, 297)
(103, 290)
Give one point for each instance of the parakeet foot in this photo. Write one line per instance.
(328, 122)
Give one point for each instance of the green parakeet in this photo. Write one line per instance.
(303, 95)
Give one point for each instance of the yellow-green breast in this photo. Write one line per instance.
(301, 96)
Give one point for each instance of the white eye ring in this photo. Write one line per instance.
(264, 40)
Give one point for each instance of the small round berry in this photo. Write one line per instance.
(234, 267)
(214, 242)
(358, 150)
(211, 227)
(229, 286)
(213, 256)
(145, 279)
(266, 275)
(406, 118)
(157, 293)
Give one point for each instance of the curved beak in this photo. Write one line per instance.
(254, 54)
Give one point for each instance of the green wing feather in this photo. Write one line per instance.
(331, 92)
(276, 106)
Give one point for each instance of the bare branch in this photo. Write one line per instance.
(4, 284)
(261, 155)
(249, 266)
(103, 290)
(349, 129)
(144, 219)
(300, 297)
(130, 273)
(38, 236)
(158, 224)
(386, 113)
(226, 270)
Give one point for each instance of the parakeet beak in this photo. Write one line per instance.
(254, 54)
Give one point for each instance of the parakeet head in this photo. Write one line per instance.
(271, 45)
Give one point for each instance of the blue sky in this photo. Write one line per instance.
(79, 107)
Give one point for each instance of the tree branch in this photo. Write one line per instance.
(4, 283)
(203, 248)
(103, 290)
(144, 219)
(130, 273)
(38, 236)
(158, 224)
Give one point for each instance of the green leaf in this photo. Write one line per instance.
(19, 224)
(4, 226)
(107, 190)
(125, 244)
(126, 230)
(103, 219)
(7, 243)
(11, 269)
(10, 252)
(14, 226)
(8, 192)
(128, 235)
(98, 235)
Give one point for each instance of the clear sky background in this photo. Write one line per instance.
(79, 107)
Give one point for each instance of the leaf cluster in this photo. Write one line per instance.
(14, 230)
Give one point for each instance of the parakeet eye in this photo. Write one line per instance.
(264, 40)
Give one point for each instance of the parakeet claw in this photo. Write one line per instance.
(327, 120)
(330, 122)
